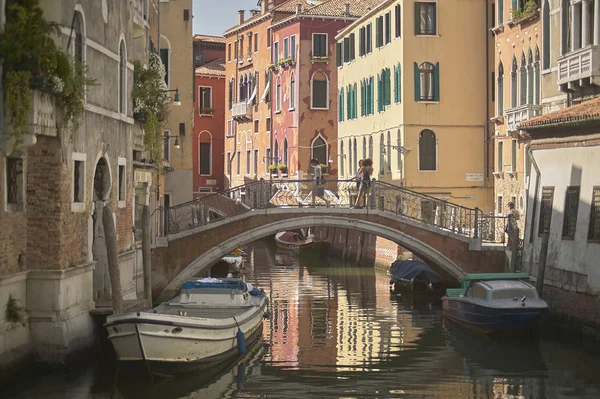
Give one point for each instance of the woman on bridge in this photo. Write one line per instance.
(365, 171)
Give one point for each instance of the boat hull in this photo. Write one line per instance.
(417, 287)
(176, 341)
(488, 320)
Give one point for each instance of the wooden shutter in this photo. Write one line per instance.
(395, 84)
(398, 21)
(399, 83)
(372, 84)
(338, 54)
(352, 47)
(379, 96)
(417, 19)
(436, 82)
(417, 82)
(378, 32)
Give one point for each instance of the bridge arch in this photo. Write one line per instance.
(208, 258)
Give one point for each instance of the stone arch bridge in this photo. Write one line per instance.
(193, 236)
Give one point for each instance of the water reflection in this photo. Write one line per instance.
(337, 332)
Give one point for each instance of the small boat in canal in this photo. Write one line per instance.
(209, 321)
(415, 276)
(495, 303)
(293, 241)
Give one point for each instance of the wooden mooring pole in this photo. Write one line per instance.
(514, 250)
(146, 255)
(542, 264)
(110, 236)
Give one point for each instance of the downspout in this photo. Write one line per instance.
(487, 98)
(271, 100)
(2, 21)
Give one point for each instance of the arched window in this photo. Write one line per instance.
(371, 147)
(564, 26)
(355, 155)
(389, 151)
(122, 71)
(427, 150)
(278, 95)
(205, 153)
(536, 68)
(319, 149)
(530, 82)
(428, 83)
(381, 156)
(285, 153)
(342, 168)
(319, 91)
(546, 34)
(399, 143)
(350, 159)
(78, 48)
(231, 93)
(500, 100)
(513, 83)
(523, 73)
(276, 152)
(364, 155)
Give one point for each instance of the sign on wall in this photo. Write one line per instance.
(474, 177)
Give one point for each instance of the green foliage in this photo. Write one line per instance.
(18, 101)
(525, 12)
(14, 312)
(207, 111)
(282, 167)
(272, 168)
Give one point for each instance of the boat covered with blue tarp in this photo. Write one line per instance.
(415, 276)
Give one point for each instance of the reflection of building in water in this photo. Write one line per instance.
(508, 388)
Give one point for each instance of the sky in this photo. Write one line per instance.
(213, 17)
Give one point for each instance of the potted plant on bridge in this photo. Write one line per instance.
(283, 169)
(273, 170)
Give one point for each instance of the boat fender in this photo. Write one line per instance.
(241, 341)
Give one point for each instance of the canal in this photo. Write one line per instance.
(337, 332)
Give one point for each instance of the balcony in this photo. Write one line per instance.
(578, 68)
(242, 110)
(516, 115)
(140, 17)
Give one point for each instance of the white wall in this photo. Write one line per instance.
(571, 264)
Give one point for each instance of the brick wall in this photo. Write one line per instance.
(583, 307)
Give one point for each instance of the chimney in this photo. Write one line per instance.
(241, 17)
(264, 6)
(347, 14)
(298, 8)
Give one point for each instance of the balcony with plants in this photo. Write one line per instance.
(44, 86)
(524, 13)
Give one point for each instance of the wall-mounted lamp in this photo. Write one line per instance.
(176, 145)
(330, 160)
(176, 100)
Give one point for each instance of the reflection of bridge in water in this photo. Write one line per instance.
(195, 235)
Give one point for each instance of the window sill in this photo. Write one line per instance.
(427, 35)
(428, 102)
(121, 204)
(207, 115)
(268, 132)
(278, 112)
(78, 207)
(428, 171)
(547, 71)
(319, 109)
(14, 208)
(291, 109)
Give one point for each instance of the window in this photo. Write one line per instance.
(500, 102)
(122, 192)
(397, 84)
(293, 47)
(500, 159)
(256, 42)
(237, 163)
(122, 72)
(383, 89)
(523, 75)
(248, 158)
(278, 95)
(164, 57)
(228, 163)
(379, 32)
(319, 45)
(514, 156)
(269, 38)
(499, 208)
(570, 212)
(371, 147)
(546, 210)
(493, 80)
(204, 100)
(398, 18)
(338, 54)
(78, 181)
(350, 158)
(286, 48)
(388, 27)
(167, 146)
(427, 150)
(292, 91)
(231, 92)
(564, 27)
(594, 229)
(285, 152)
(14, 183)
(346, 49)
(229, 52)
(530, 80)
(546, 35)
(500, 12)
(276, 153)
(275, 53)
(425, 19)
(268, 159)
(268, 121)
(364, 150)
(78, 43)
(355, 154)
(399, 143)
(513, 83)
(351, 45)
(361, 42)
(256, 126)
(341, 105)
(536, 73)
(427, 82)
(369, 44)
(342, 166)
(319, 149)
(319, 91)
(389, 152)
(381, 156)
(205, 158)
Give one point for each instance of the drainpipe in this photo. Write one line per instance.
(2, 21)
(487, 97)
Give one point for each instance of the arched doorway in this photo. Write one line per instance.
(101, 191)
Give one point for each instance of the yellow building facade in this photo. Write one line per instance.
(412, 94)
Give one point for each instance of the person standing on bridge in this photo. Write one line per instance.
(318, 189)
(366, 170)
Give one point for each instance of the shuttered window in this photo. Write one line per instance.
(427, 150)
(594, 229)
(352, 44)
(361, 42)
(425, 19)
(427, 82)
(346, 49)
(397, 84)
(388, 27)
(338, 54)
(369, 42)
(398, 20)
(379, 32)
(319, 45)
(546, 210)
(570, 212)
(341, 106)
(205, 158)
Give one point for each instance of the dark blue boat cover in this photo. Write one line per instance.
(232, 285)
(409, 269)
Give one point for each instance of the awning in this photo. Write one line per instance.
(253, 96)
(266, 92)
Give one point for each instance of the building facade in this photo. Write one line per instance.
(517, 33)
(176, 51)
(209, 118)
(401, 104)
(56, 182)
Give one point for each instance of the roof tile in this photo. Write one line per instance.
(209, 39)
(582, 112)
(337, 8)
(212, 68)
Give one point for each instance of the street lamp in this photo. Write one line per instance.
(176, 145)
(176, 100)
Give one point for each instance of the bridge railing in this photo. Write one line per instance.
(386, 197)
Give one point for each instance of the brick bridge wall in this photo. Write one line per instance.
(168, 262)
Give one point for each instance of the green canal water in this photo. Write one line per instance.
(337, 332)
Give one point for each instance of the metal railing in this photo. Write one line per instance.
(283, 193)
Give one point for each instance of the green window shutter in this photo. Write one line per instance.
(417, 82)
(342, 105)
(362, 100)
(372, 84)
(395, 84)
(379, 92)
(388, 86)
(378, 33)
(338, 54)
(436, 82)
(399, 83)
(417, 20)
(355, 102)
(352, 53)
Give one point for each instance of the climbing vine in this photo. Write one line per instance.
(14, 312)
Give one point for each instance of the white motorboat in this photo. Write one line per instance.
(210, 320)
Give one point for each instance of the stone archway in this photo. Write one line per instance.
(100, 193)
